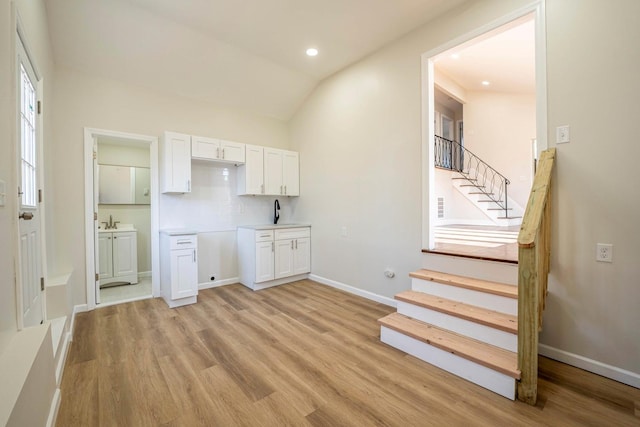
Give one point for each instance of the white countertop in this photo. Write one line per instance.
(121, 227)
(273, 226)
(178, 231)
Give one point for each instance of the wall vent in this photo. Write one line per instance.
(440, 207)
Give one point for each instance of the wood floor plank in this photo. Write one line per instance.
(299, 354)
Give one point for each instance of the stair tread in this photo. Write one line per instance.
(495, 319)
(492, 357)
(502, 289)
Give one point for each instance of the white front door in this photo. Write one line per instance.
(29, 259)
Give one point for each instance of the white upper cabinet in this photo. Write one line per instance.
(281, 172)
(175, 163)
(251, 174)
(204, 148)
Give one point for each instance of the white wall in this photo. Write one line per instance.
(88, 101)
(362, 129)
(499, 127)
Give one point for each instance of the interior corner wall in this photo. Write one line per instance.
(359, 137)
(592, 77)
(499, 128)
(8, 323)
(360, 141)
(84, 100)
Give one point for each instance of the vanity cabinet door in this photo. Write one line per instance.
(105, 255)
(125, 253)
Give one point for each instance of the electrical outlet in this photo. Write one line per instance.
(562, 134)
(604, 252)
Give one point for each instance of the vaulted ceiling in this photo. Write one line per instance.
(242, 54)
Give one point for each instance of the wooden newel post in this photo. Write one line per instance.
(528, 300)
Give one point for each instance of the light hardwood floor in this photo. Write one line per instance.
(301, 354)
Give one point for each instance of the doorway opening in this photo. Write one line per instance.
(122, 217)
(483, 95)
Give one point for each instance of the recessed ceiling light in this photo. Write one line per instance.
(455, 56)
(485, 83)
(312, 51)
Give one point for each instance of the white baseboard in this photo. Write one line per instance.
(53, 410)
(217, 283)
(144, 274)
(81, 308)
(608, 371)
(353, 290)
(63, 358)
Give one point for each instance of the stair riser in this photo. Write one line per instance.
(470, 371)
(467, 296)
(464, 327)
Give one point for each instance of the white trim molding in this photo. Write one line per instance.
(353, 290)
(608, 371)
(53, 410)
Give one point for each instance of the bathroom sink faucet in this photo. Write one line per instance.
(111, 224)
(276, 211)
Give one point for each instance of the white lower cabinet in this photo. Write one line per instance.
(178, 267)
(118, 257)
(269, 257)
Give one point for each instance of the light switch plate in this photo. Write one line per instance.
(562, 134)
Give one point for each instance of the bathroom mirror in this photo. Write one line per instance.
(123, 185)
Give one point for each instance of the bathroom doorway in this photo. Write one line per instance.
(121, 186)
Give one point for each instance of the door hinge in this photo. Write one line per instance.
(39, 107)
(95, 155)
(39, 195)
(42, 283)
(19, 192)
(95, 216)
(97, 277)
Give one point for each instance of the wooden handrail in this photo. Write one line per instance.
(533, 270)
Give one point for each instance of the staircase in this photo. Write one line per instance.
(463, 325)
(497, 211)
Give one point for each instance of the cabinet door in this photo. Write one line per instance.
(184, 273)
(254, 170)
(232, 151)
(264, 261)
(205, 148)
(176, 163)
(291, 173)
(302, 256)
(125, 254)
(273, 172)
(284, 258)
(105, 256)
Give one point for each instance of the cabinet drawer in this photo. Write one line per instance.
(264, 235)
(187, 241)
(293, 233)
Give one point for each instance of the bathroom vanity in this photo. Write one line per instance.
(179, 267)
(270, 255)
(118, 255)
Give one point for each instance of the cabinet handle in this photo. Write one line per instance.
(292, 244)
(189, 185)
(114, 237)
(285, 189)
(218, 152)
(262, 188)
(272, 246)
(223, 153)
(194, 255)
(183, 242)
(281, 190)
(296, 244)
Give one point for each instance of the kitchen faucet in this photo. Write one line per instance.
(276, 211)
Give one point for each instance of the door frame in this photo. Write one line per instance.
(90, 138)
(537, 8)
